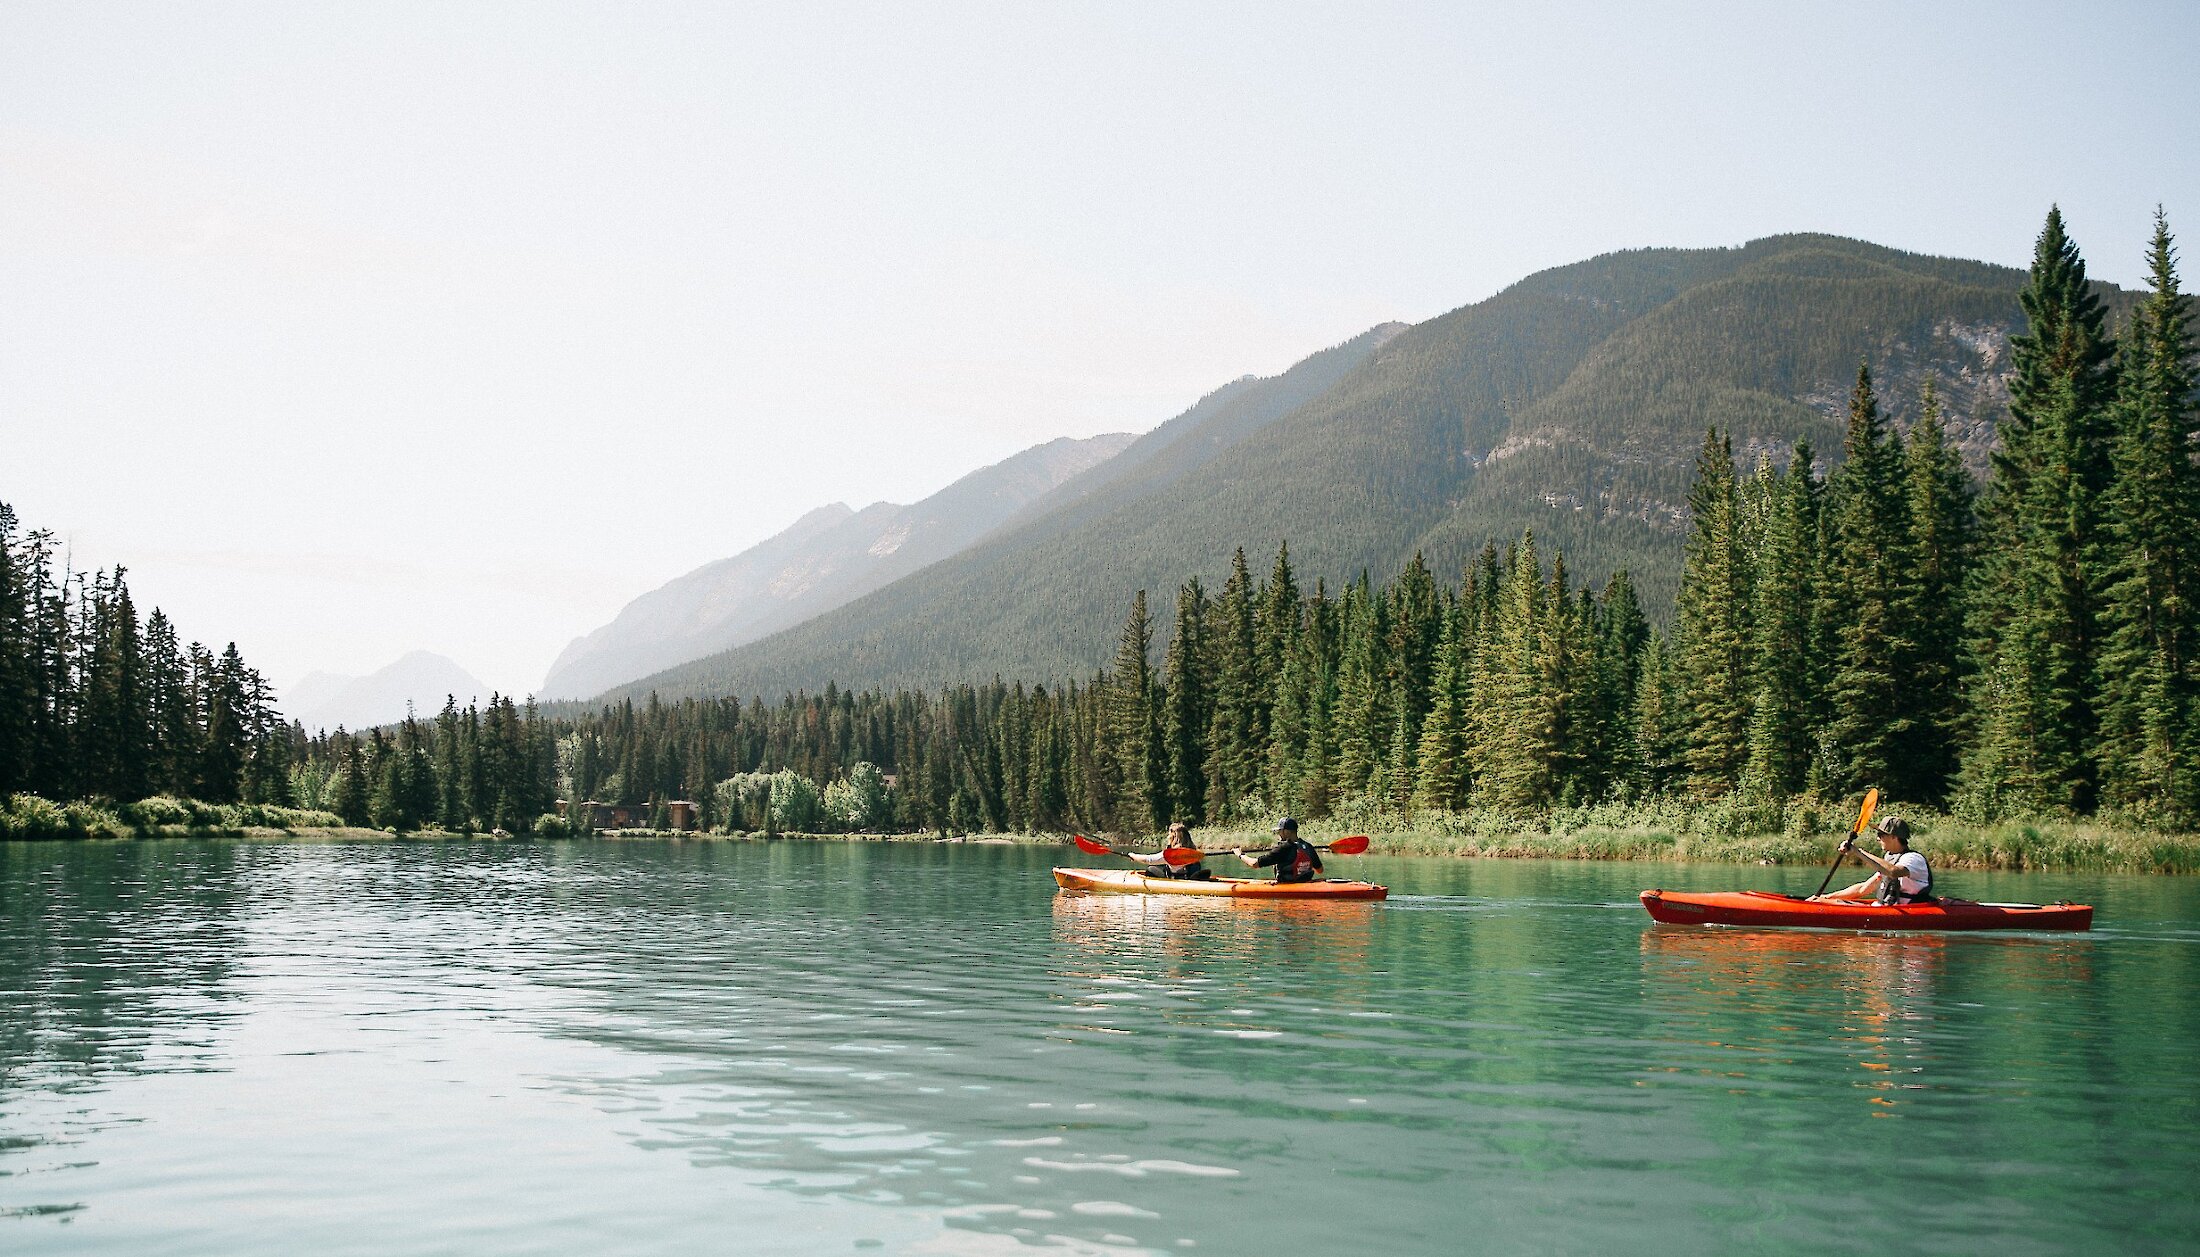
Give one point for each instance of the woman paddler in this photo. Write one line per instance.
(1180, 835)
(1900, 874)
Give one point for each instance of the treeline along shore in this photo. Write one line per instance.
(2014, 667)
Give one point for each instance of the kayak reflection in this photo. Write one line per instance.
(1115, 931)
(1754, 994)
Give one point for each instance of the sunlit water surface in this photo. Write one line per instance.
(217, 1048)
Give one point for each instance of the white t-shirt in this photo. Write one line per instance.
(1914, 872)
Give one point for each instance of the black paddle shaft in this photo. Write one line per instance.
(1841, 853)
(1863, 817)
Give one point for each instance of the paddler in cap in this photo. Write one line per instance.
(1293, 858)
(1900, 875)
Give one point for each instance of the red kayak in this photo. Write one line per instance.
(1761, 907)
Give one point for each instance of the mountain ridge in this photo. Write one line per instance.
(325, 700)
(828, 556)
(1572, 402)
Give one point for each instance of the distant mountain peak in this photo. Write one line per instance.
(325, 700)
(827, 557)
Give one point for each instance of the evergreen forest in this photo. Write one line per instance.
(95, 702)
(1855, 617)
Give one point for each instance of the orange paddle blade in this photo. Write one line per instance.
(1864, 817)
(1179, 857)
(1088, 845)
(1350, 846)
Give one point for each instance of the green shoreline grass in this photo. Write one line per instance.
(2068, 847)
(2060, 847)
(1654, 832)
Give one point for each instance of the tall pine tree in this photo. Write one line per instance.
(1712, 638)
(1941, 547)
(2034, 611)
(2150, 662)
(1866, 594)
(1785, 667)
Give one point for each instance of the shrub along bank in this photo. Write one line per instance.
(27, 817)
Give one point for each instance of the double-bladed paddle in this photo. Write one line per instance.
(1863, 818)
(1094, 846)
(1178, 857)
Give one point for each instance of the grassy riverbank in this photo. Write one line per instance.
(1665, 831)
(1951, 843)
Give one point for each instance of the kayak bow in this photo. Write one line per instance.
(1134, 882)
(1760, 907)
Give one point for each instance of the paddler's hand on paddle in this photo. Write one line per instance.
(1848, 844)
(1250, 862)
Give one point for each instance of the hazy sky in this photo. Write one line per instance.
(355, 329)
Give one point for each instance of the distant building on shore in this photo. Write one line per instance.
(680, 814)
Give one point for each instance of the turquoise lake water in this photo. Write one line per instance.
(229, 1048)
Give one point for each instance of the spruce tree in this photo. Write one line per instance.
(1134, 726)
(2150, 661)
(1784, 667)
(1363, 719)
(1941, 547)
(1319, 659)
(1234, 743)
(1277, 626)
(1623, 634)
(18, 687)
(1442, 778)
(113, 725)
(1866, 595)
(2034, 629)
(49, 762)
(1660, 724)
(1569, 667)
(450, 810)
(352, 791)
(1187, 709)
(1712, 656)
(171, 710)
(1519, 701)
(1416, 626)
(224, 697)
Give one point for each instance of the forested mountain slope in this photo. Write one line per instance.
(1573, 402)
(827, 557)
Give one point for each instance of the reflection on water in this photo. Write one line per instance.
(826, 1047)
(1877, 991)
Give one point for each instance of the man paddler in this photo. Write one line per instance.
(1899, 875)
(1293, 858)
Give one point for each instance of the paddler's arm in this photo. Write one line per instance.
(1869, 887)
(1251, 863)
(1879, 863)
(1155, 858)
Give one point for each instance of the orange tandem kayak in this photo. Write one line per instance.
(1761, 907)
(1133, 882)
